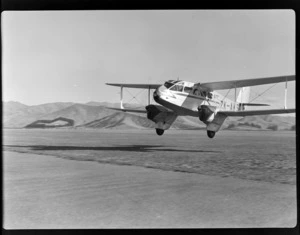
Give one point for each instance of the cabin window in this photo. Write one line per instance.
(187, 89)
(177, 88)
(197, 92)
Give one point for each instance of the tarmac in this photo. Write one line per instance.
(46, 192)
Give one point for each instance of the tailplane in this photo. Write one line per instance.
(244, 95)
(243, 99)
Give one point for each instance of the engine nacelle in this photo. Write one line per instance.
(161, 116)
(153, 111)
(206, 113)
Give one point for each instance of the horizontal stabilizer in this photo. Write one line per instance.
(257, 112)
(130, 110)
(145, 86)
(254, 104)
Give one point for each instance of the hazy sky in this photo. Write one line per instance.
(51, 56)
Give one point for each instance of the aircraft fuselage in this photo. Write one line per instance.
(184, 102)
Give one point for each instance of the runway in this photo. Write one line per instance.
(46, 192)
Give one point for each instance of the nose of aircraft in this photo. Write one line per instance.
(157, 93)
(161, 89)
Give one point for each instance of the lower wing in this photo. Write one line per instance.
(130, 110)
(257, 112)
(151, 108)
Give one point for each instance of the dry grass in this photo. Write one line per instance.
(252, 155)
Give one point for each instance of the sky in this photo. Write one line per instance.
(68, 56)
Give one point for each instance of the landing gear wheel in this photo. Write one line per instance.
(211, 134)
(159, 131)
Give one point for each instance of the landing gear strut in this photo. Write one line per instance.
(159, 131)
(211, 134)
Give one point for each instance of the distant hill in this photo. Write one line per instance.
(121, 120)
(98, 115)
(58, 122)
(11, 107)
(17, 115)
(80, 113)
(261, 122)
(105, 104)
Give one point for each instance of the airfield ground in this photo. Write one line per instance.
(239, 179)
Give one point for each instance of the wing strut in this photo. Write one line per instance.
(285, 93)
(148, 95)
(235, 97)
(122, 107)
(121, 93)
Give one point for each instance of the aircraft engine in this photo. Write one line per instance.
(162, 117)
(153, 111)
(206, 113)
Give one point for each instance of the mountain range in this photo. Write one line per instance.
(98, 115)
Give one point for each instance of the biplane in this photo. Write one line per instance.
(182, 98)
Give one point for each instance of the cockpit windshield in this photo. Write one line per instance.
(170, 83)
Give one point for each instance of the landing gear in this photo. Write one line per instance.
(211, 134)
(159, 131)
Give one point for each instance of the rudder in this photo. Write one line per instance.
(244, 95)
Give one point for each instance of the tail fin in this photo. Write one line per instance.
(244, 95)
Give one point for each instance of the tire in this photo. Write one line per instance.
(160, 131)
(211, 134)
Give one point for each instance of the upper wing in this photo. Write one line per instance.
(247, 82)
(257, 112)
(146, 86)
